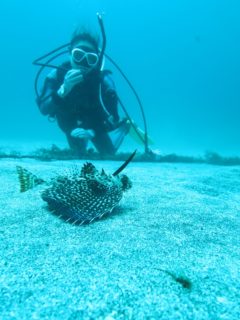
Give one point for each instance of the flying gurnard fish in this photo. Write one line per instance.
(80, 196)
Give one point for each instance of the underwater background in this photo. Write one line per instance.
(170, 248)
(181, 56)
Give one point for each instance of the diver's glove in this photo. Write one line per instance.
(82, 133)
(72, 78)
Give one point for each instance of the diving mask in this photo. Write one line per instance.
(78, 55)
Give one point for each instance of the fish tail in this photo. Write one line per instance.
(27, 179)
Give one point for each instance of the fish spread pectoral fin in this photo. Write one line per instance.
(27, 179)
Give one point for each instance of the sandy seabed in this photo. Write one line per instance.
(171, 250)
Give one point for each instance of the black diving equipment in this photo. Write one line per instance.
(62, 50)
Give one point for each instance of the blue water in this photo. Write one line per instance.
(181, 56)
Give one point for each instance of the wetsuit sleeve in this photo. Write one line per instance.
(49, 101)
(109, 96)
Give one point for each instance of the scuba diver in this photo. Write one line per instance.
(83, 99)
(81, 96)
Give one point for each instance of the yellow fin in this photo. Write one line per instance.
(140, 136)
(27, 180)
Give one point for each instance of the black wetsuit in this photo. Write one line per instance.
(82, 107)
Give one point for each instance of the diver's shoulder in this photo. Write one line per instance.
(108, 85)
(106, 73)
(107, 79)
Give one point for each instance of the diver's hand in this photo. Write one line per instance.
(72, 77)
(82, 133)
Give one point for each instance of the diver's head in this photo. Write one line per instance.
(84, 51)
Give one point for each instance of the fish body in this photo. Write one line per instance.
(79, 196)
